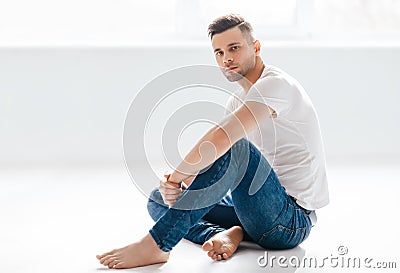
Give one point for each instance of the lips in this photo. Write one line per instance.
(230, 68)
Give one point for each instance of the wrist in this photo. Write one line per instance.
(172, 179)
(179, 178)
(175, 177)
(177, 184)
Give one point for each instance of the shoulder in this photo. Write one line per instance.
(273, 76)
(277, 83)
(276, 89)
(235, 100)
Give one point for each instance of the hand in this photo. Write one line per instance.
(170, 191)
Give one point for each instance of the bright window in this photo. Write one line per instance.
(355, 19)
(125, 22)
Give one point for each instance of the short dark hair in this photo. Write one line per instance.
(229, 21)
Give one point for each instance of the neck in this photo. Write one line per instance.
(247, 81)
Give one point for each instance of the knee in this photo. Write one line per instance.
(155, 198)
(155, 204)
(155, 195)
(242, 143)
(240, 148)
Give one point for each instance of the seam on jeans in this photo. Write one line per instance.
(291, 229)
(284, 229)
(287, 229)
(265, 234)
(303, 213)
(295, 206)
(303, 235)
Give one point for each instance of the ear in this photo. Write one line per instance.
(257, 47)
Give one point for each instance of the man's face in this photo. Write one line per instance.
(233, 53)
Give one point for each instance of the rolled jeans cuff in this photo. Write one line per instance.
(158, 241)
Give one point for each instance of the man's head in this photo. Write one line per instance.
(230, 21)
(234, 45)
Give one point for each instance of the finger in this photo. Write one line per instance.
(171, 199)
(172, 196)
(171, 203)
(169, 189)
(174, 184)
(170, 185)
(164, 190)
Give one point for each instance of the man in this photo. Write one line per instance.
(264, 163)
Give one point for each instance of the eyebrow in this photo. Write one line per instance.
(231, 44)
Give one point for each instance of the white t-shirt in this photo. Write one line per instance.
(291, 141)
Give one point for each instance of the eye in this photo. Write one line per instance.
(219, 53)
(234, 48)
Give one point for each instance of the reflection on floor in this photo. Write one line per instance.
(56, 220)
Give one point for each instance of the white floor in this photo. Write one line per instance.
(56, 220)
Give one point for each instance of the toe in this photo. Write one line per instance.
(106, 260)
(217, 244)
(103, 259)
(211, 253)
(225, 256)
(101, 256)
(113, 263)
(119, 265)
(105, 254)
(219, 257)
(207, 246)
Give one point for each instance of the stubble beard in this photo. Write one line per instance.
(233, 76)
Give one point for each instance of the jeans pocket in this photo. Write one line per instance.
(281, 237)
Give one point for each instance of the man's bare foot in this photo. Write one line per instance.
(144, 252)
(223, 244)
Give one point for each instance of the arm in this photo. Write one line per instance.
(220, 138)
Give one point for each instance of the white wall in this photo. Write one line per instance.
(67, 105)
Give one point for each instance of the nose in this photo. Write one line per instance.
(228, 60)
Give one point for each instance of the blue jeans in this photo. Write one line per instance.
(257, 202)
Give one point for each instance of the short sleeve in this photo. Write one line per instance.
(234, 102)
(229, 106)
(273, 92)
